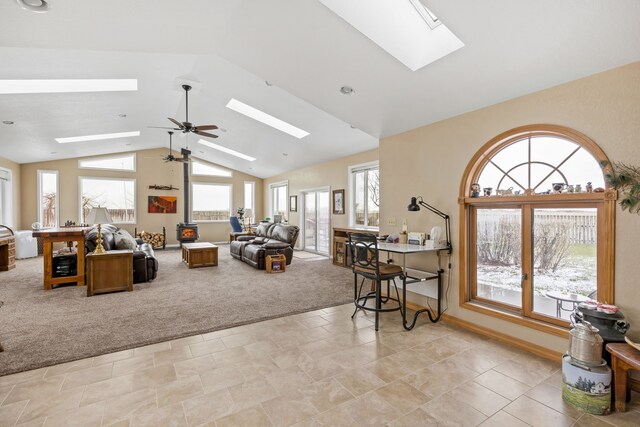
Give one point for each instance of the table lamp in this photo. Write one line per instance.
(415, 206)
(247, 215)
(99, 216)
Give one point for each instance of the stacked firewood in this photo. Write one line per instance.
(156, 240)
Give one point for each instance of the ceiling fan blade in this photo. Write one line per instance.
(161, 127)
(175, 122)
(209, 135)
(206, 127)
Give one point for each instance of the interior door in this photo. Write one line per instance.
(316, 217)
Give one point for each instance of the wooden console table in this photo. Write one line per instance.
(624, 358)
(70, 234)
(7, 249)
(340, 236)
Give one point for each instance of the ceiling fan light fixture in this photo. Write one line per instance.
(37, 6)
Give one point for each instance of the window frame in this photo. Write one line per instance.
(605, 203)
(6, 198)
(272, 187)
(352, 170)
(124, 155)
(228, 172)
(104, 178)
(216, 184)
(39, 194)
(252, 197)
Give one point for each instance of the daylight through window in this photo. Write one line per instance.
(118, 195)
(48, 198)
(211, 202)
(365, 200)
(535, 232)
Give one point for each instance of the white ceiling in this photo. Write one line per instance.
(512, 47)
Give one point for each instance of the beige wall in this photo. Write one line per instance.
(15, 191)
(330, 174)
(150, 170)
(430, 161)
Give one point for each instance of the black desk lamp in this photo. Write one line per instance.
(415, 206)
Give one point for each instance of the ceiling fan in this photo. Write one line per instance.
(187, 126)
(170, 157)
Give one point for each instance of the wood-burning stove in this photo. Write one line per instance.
(186, 232)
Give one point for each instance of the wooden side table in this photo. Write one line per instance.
(202, 254)
(109, 272)
(624, 358)
(51, 235)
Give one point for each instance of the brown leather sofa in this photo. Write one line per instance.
(269, 239)
(145, 265)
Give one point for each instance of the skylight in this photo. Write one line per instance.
(67, 85)
(405, 29)
(97, 137)
(265, 118)
(226, 150)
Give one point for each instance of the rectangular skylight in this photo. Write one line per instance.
(265, 118)
(67, 85)
(97, 137)
(406, 29)
(226, 150)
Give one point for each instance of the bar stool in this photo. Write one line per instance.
(365, 263)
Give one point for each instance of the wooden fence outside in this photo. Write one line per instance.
(580, 226)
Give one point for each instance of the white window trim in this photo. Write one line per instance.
(205, 163)
(57, 207)
(135, 195)
(7, 202)
(135, 162)
(271, 187)
(253, 196)
(217, 184)
(352, 194)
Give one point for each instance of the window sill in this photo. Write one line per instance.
(517, 319)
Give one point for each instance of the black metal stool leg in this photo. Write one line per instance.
(378, 302)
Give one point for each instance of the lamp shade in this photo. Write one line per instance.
(99, 216)
(413, 206)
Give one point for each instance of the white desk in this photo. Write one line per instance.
(421, 279)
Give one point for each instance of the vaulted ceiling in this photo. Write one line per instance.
(229, 48)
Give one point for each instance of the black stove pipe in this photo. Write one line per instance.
(185, 169)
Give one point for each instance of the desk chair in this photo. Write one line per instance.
(365, 263)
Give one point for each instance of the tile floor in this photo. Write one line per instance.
(312, 369)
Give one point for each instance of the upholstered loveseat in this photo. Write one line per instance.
(145, 265)
(269, 239)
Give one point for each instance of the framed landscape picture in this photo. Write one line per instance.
(338, 202)
(162, 204)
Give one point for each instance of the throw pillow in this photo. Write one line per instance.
(124, 240)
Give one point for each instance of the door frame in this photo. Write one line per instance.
(302, 210)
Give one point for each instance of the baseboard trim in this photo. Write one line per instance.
(488, 332)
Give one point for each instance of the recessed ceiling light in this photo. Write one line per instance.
(38, 6)
(265, 118)
(7, 122)
(285, 154)
(97, 137)
(268, 83)
(67, 85)
(53, 152)
(226, 150)
(122, 115)
(347, 90)
(353, 127)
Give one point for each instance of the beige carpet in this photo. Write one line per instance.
(40, 328)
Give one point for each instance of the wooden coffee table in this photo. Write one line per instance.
(202, 254)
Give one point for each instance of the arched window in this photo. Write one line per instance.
(537, 227)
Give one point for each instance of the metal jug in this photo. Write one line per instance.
(585, 344)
